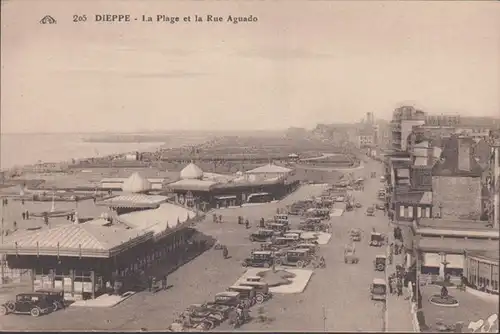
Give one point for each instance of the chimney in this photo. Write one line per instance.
(464, 155)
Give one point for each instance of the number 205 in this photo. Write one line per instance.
(79, 18)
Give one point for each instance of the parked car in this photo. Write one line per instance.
(247, 294)
(380, 262)
(380, 206)
(262, 235)
(259, 259)
(377, 239)
(261, 290)
(297, 257)
(34, 303)
(378, 289)
(55, 297)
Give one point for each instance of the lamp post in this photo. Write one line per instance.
(444, 264)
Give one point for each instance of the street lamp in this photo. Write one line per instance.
(444, 262)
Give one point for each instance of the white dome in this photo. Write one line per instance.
(191, 171)
(136, 184)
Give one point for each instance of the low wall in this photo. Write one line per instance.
(483, 295)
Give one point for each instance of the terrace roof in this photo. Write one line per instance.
(134, 201)
(158, 221)
(192, 185)
(269, 168)
(84, 240)
(422, 197)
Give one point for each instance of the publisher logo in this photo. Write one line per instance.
(48, 20)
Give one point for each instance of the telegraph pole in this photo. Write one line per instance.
(324, 319)
(2, 256)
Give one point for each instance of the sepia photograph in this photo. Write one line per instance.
(250, 166)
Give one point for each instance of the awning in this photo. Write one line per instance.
(225, 197)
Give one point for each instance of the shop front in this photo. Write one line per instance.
(481, 271)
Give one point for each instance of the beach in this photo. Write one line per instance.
(26, 149)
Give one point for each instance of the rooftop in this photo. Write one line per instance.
(449, 164)
(269, 168)
(421, 197)
(166, 216)
(134, 201)
(85, 240)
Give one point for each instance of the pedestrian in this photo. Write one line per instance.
(23, 214)
(247, 224)
(22, 201)
(400, 287)
(164, 283)
(225, 252)
(27, 215)
(391, 284)
(150, 283)
(15, 226)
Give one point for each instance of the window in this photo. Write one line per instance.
(410, 212)
(427, 213)
(401, 211)
(419, 212)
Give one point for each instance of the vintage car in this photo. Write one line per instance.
(259, 259)
(282, 242)
(370, 211)
(380, 206)
(358, 205)
(313, 227)
(281, 219)
(297, 257)
(208, 315)
(378, 289)
(278, 229)
(380, 262)
(268, 246)
(55, 297)
(253, 279)
(261, 290)
(33, 303)
(355, 234)
(350, 256)
(377, 239)
(262, 235)
(312, 248)
(247, 294)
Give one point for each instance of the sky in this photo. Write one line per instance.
(300, 64)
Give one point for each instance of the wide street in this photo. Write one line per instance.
(336, 299)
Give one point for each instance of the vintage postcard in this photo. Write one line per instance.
(280, 166)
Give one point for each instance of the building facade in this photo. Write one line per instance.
(481, 271)
(403, 121)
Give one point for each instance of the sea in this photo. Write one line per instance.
(27, 149)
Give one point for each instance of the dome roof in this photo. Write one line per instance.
(191, 171)
(136, 184)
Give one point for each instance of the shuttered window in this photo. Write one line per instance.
(401, 211)
(419, 212)
(410, 212)
(427, 212)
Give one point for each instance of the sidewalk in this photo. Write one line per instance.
(400, 318)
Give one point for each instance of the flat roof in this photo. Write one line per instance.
(134, 201)
(193, 185)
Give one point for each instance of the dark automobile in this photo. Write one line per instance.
(259, 259)
(34, 304)
(262, 235)
(55, 297)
